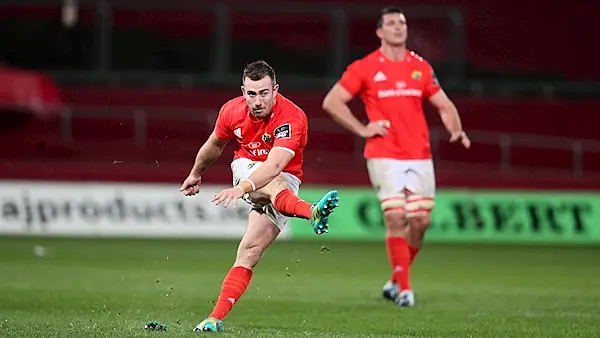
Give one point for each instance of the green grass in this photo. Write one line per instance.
(110, 288)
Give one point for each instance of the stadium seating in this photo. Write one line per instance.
(181, 39)
(104, 131)
(107, 136)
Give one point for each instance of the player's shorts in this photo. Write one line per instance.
(243, 168)
(392, 177)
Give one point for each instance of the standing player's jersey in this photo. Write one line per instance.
(394, 91)
(287, 128)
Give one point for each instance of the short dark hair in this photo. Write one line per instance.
(388, 10)
(257, 70)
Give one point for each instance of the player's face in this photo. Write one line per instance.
(260, 96)
(394, 29)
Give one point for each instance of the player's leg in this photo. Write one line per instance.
(420, 192)
(278, 193)
(282, 193)
(387, 176)
(260, 234)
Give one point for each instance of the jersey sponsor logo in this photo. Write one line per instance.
(267, 138)
(416, 75)
(382, 94)
(283, 131)
(253, 145)
(379, 77)
(259, 152)
(238, 132)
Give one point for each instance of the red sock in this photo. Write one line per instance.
(413, 252)
(399, 255)
(289, 204)
(234, 285)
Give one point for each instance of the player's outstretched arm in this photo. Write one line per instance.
(336, 105)
(210, 151)
(450, 117)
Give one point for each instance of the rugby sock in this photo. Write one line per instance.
(234, 285)
(413, 252)
(399, 255)
(289, 204)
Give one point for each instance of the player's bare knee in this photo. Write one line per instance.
(394, 211)
(394, 215)
(418, 212)
(249, 255)
(252, 255)
(419, 222)
(424, 220)
(394, 219)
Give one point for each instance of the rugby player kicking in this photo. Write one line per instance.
(271, 132)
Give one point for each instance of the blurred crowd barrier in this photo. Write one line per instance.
(117, 209)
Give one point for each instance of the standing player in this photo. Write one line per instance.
(392, 82)
(271, 133)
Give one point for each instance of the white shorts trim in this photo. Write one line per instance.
(390, 177)
(242, 168)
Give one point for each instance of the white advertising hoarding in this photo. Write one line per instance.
(116, 209)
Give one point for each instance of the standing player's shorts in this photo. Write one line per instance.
(391, 178)
(243, 168)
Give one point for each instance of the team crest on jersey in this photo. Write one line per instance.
(283, 131)
(416, 75)
(267, 138)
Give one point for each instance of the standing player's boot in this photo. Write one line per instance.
(321, 210)
(210, 325)
(406, 298)
(390, 291)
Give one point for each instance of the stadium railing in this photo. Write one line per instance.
(100, 134)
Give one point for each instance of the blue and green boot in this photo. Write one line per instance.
(210, 325)
(321, 210)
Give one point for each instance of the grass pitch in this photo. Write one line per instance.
(110, 288)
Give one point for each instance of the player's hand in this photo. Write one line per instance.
(191, 185)
(228, 196)
(462, 137)
(375, 128)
